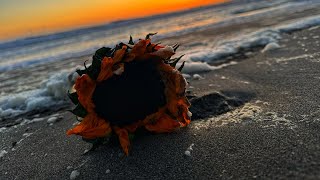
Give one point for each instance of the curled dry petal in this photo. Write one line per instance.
(91, 127)
(106, 69)
(183, 117)
(123, 138)
(140, 48)
(154, 47)
(118, 55)
(165, 52)
(164, 124)
(85, 87)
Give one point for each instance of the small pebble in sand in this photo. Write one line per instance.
(187, 153)
(108, 171)
(2, 153)
(74, 174)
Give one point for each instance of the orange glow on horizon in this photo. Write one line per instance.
(24, 18)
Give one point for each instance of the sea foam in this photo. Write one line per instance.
(50, 94)
(259, 38)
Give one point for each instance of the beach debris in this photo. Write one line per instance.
(74, 174)
(149, 83)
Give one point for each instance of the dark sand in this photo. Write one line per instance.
(259, 119)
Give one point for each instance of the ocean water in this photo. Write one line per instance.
(35, 72)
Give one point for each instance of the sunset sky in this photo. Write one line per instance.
(30, 17)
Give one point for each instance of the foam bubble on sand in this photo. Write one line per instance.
(196, 67)
(51, 93)
(311, 57)
(186, 76)
(54, 119)
(275, 119)
(270, 47)
(197, 77)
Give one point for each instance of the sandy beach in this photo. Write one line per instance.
(258, 118)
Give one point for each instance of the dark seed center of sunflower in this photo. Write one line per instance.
(130, 97)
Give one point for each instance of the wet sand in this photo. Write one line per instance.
(259, 119)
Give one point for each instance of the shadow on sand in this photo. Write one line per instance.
(218, 103)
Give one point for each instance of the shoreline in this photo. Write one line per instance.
(230, 53)
(258, 118)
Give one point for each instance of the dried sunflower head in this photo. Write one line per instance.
(127, 87)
